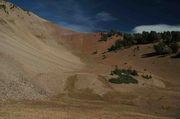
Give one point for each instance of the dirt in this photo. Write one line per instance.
(48, 71)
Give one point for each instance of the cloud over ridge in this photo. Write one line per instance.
(157, 28)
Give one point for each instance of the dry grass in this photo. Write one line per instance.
(51, 110)
(79, 93)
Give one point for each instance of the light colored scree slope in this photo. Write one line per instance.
(29, 52)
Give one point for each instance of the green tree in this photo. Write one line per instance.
(167, 37)
(175, 47)
(175, 36)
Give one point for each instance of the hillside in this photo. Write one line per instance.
(31, 54)
(48, 71)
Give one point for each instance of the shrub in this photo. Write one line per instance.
(104, 56)
(120, 44)
(147, 77)
(167, 37)
(153, 37)
(117, 45)
(174, 47)
(175, 36)
(124, 71)
(123, 79)
(4, 8)
(124, 76)
(13, 6)
(161, 49)
(95, 52)
(112, 48)
(177, 55)
(105, 36)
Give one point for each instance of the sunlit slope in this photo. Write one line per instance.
(29, 48)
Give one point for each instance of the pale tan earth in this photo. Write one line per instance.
(49, 72)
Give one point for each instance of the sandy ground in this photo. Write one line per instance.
(72, 109)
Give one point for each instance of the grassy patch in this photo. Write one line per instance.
(73, 92)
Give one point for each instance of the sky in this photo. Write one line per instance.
(104, 15)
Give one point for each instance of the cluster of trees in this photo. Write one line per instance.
(13, 6)
(3, 7)
(124, 76)
(177, 55)
(135, 39)
(107, 35)
(168, 42)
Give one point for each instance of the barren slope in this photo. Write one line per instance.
(31, 55)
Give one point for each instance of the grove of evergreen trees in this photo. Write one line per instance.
(124, 76)
(166, 42)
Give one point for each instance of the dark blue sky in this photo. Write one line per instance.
(100, 15)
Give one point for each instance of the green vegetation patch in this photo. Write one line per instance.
(105, 36)
(135, 39)
(125, 76)
(177, 55)
(167, 42)
(161, 49)
(124, 79)
(129, 71)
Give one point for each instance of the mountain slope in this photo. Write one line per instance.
(40, 60)
(29, 49)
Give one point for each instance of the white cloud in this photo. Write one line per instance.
(157, 28)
